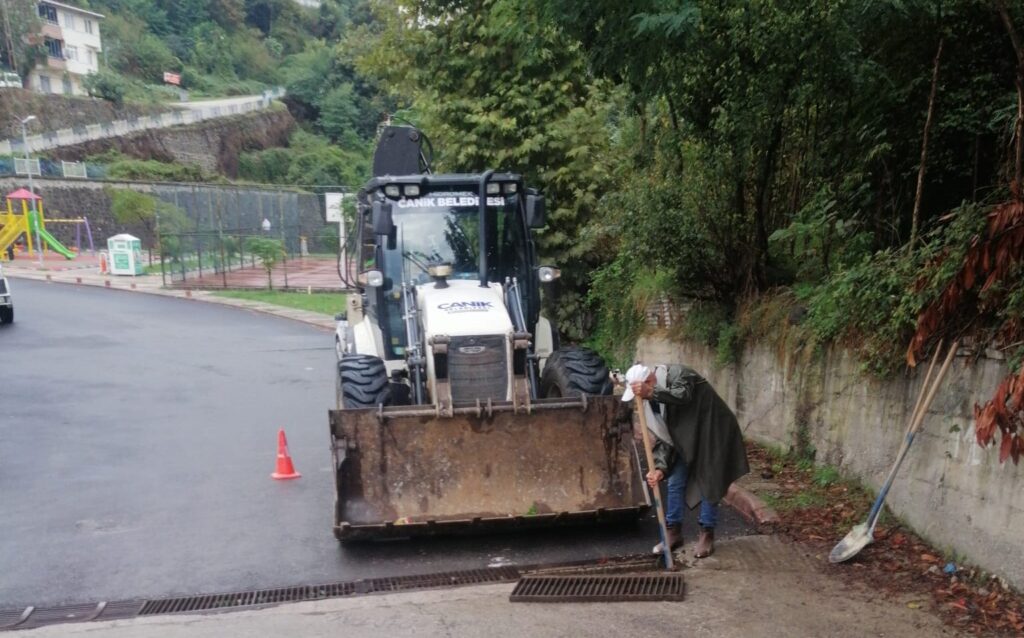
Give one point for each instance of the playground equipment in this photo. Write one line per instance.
(79, 224)
(14, 225)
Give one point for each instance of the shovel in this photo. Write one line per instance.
(861, 535)
(649, 449)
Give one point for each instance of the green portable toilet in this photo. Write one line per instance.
(125, 254)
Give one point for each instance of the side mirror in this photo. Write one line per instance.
(383, 224)
(535, 211)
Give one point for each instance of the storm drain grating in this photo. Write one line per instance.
(32, 617)
(598, 588)
(213, 602)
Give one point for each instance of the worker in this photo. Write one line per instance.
(699, 446)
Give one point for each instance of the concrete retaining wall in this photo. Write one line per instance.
(951, 491)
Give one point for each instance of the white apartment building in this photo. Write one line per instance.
(72, 40)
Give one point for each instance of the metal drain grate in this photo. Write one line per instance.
(213, 602)
(594, 588)
(32, 617)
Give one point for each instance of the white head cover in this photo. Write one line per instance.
(636, 374)
(639, 374)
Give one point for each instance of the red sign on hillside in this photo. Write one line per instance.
(172, 78)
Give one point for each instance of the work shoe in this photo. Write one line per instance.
(675, 539)
(705, 543)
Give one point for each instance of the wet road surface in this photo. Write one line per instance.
(137, 438)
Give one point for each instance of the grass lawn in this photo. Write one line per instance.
(326, 303)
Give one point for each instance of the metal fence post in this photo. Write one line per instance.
(220, 235)
(284, 244)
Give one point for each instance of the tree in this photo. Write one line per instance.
(269, 251)
(20, 47)
(339, 112)
(106, 85)
(495, 86)
(158, 220)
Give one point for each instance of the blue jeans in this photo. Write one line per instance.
(708, 516)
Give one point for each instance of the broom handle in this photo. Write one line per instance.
(655, 493)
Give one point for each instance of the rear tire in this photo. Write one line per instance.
(362, 382)
(574, 371)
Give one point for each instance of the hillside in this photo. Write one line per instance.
(236, 47)
(55, 112)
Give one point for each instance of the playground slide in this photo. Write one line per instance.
(7, 235)
(55, 245)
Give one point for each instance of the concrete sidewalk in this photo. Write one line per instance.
(755, 586)
(151, 284)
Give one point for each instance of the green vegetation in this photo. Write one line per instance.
(268, 251)
(309, 160)
(121, 166)
(242, 47)
(323, 303)
(138, 211)
(809, 172)
(757, 163)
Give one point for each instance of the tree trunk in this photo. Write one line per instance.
(915, 219)
(1018, 129)
(764, 184)
(674, 115)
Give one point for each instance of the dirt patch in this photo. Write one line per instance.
(817, 508)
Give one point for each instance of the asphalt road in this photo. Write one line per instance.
(137, 438)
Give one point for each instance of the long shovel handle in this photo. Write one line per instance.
(655, 496)
(908, 438)
(915, 424)
(924, 386)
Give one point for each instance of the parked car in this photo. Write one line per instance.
(6, 300)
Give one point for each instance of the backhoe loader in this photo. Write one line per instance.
(457, 411)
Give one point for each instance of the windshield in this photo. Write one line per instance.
(445, 228)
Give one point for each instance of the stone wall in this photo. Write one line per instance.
(950, 490)
(236, 209)
(215, 145)
(55, 112)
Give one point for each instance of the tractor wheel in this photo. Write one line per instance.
(7, 315)
(362, 382)
(574, 371)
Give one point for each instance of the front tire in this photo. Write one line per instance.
(362, 382)
(574, 371)
(7, 315)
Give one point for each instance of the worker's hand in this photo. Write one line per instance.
(642, 390)
(654, 477)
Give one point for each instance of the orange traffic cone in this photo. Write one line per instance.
(285, 469)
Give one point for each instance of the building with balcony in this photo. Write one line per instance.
(73, 46)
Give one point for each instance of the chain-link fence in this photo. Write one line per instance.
(221, 236)
(207, 258)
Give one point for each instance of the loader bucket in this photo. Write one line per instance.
(406, 471)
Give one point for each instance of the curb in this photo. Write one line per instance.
(750, 507)
(187, 294)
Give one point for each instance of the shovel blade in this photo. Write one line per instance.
(857, 539)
